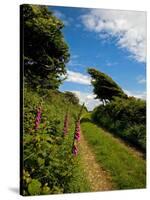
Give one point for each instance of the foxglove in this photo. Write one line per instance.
(65, 130)
(38, 118)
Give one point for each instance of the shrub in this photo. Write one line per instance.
(136, 134)
(71, 97)
(124, 117)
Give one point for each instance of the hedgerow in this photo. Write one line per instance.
(49, 165)
(124, 117)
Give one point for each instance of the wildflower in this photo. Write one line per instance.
(75, 150)
(65, 130)
(38, 118)
(77, 131)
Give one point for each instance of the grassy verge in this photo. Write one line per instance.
(79, 182)
(128, 171)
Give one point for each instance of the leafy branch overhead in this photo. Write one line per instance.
(45, 51)
(105, 87)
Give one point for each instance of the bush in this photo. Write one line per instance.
(136, 134)
(124, 117)
(71, 97)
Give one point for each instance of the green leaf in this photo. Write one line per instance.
(41, 161)
(34, 187)
(45, 189)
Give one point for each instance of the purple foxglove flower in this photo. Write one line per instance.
(77, 131)
(65, 129)
(38, 118)
(75, 150)
(77, 136)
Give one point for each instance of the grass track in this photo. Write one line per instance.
(127, 170)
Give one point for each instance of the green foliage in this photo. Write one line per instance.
(34, 187)
(136, 134)
(125, 117)
(79, 176)
(45, 52)
(49, 166)
(127, 169)
(104, 87)
(71, 97)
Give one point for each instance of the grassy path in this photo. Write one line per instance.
(98, 178)
(124, 164)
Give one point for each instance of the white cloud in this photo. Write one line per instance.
(137, 94)
(91, 102)
(74, 61)
(74, 56)
(77, 77)
(141, 80)
(88, 99)
(109, 64)
(129, 27)
(61, 16)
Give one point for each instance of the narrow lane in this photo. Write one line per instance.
(98, 178)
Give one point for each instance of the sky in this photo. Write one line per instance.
(112, 41)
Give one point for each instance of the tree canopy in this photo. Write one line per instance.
(45, 52)
(72, 97)
(105, 87)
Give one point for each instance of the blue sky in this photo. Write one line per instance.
(113, 42)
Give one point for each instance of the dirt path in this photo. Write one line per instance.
(98, 178)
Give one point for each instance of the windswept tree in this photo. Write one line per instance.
(104, 87)
(45, 53)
